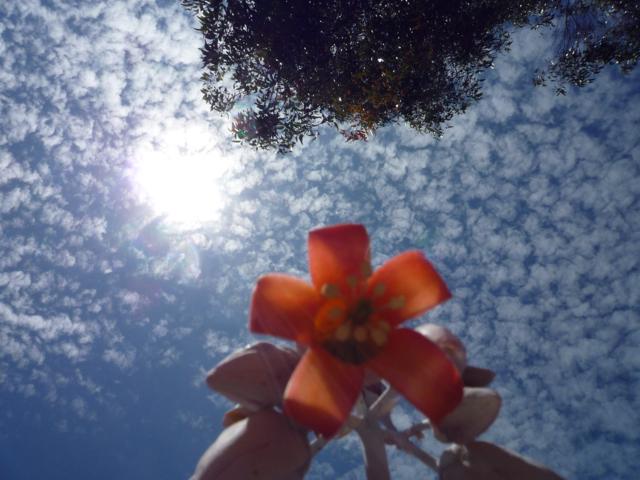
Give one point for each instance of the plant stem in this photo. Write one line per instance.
(417, 429)
(317, 445)
(375, 454)
(402, 442)
(383, 404)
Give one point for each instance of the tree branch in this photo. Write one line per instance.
(402, 442)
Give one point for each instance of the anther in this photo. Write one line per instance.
(330, 290)
(384, 326)
(343, 332)
(378, 336)
(378, 289)
(360, 333)
(396, 302)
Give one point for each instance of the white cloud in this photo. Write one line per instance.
(526, 206)
(122, 359)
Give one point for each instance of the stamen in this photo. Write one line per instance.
(378, 336)
(360, 334)
(343, 332)
(330, 290)
(384, 326)
(396, 302)
(330, 316)
(378, 289)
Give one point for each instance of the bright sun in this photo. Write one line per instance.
(179, 175)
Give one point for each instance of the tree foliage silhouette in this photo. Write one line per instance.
(290, 66)
(593, 34)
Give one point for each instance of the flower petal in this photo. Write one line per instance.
(284, 306)
(420, 371)
(406, 286)
(447, 341)
(337, 254)
(322, 392)
(477, 377)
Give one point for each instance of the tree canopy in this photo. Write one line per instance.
(591, 34)
(286, 67)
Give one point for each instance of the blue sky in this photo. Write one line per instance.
(114, 302)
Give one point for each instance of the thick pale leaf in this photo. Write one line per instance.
(477, 377)
(486, 461)
(235, 415)
(475, 414)
(256, 376)
(264, 446)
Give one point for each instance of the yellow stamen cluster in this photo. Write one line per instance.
(353, 332)
(377, 332)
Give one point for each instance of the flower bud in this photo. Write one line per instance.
(477, 377)
(235, 415)
(264, 446)
(473, 416)
(482, 460)
(451, 345)
(254, 377)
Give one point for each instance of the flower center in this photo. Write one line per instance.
(353, 332)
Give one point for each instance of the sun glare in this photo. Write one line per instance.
(179, 175)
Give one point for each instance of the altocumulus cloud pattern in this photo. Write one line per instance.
(112, 305)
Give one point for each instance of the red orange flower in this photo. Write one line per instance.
(349, 319)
